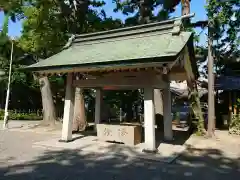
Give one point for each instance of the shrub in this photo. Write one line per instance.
(234, 127)
(20, 116)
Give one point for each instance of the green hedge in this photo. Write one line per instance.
(20, 116)
(234, 127)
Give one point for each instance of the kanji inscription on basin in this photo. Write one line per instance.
(107, 132)
(130, 135)
(122, 132)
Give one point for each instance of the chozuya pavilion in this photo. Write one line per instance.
(146, 56)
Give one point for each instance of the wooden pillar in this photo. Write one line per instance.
(230, 102)
(234, 103)
(68, 110)
(149, 121)
(98, 104)
(158, 107)
(167, 110)
(158, 104)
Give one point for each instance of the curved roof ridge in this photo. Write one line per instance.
(134, 28)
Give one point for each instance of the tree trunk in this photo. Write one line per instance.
(211, 101)
(192, 85)
(145, 11)
(185, 7)
(79, 119)
(49, 114)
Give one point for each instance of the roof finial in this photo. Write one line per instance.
(177, 27)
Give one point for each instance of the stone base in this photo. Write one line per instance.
(150, 151)
(127, 134)
(65, 141)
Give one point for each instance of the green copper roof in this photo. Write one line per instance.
(162, 41)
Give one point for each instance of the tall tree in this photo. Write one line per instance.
(192, 85)
(43, 36)
(46, 30)
(223, 43)
(16, 8)
(22, 83)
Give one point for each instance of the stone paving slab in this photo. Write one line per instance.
(31, 127)
(90, 144)
(20, 160)
(228, 144)
(20, 124)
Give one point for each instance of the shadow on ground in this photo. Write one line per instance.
(209, 164)
(180, 137)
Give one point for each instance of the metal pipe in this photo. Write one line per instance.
(5, 122)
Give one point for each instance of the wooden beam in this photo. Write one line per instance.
(174, 75)
(178, 76)
(123, 82)
(102, 68)
(125, 74)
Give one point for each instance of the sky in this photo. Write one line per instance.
(197, 7)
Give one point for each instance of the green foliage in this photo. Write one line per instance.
(12, 5)
(42, 31)
(234, 127)
(197, 111)
(23, 86)
(47, 25)
(21, 116)
(225, 26)
(3, 33)
(142, 11)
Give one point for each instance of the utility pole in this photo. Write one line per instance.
(5, 122)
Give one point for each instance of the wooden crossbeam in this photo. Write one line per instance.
(139, 81)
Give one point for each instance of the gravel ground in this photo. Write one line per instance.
(21, 161)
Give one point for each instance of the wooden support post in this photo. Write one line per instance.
(230, 102)
(167, 110)
(68, 111)
(234, 103)
(98, 104)
(149, 121)
(158, 105)
(229, 107)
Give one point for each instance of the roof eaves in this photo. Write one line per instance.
(167, 59)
